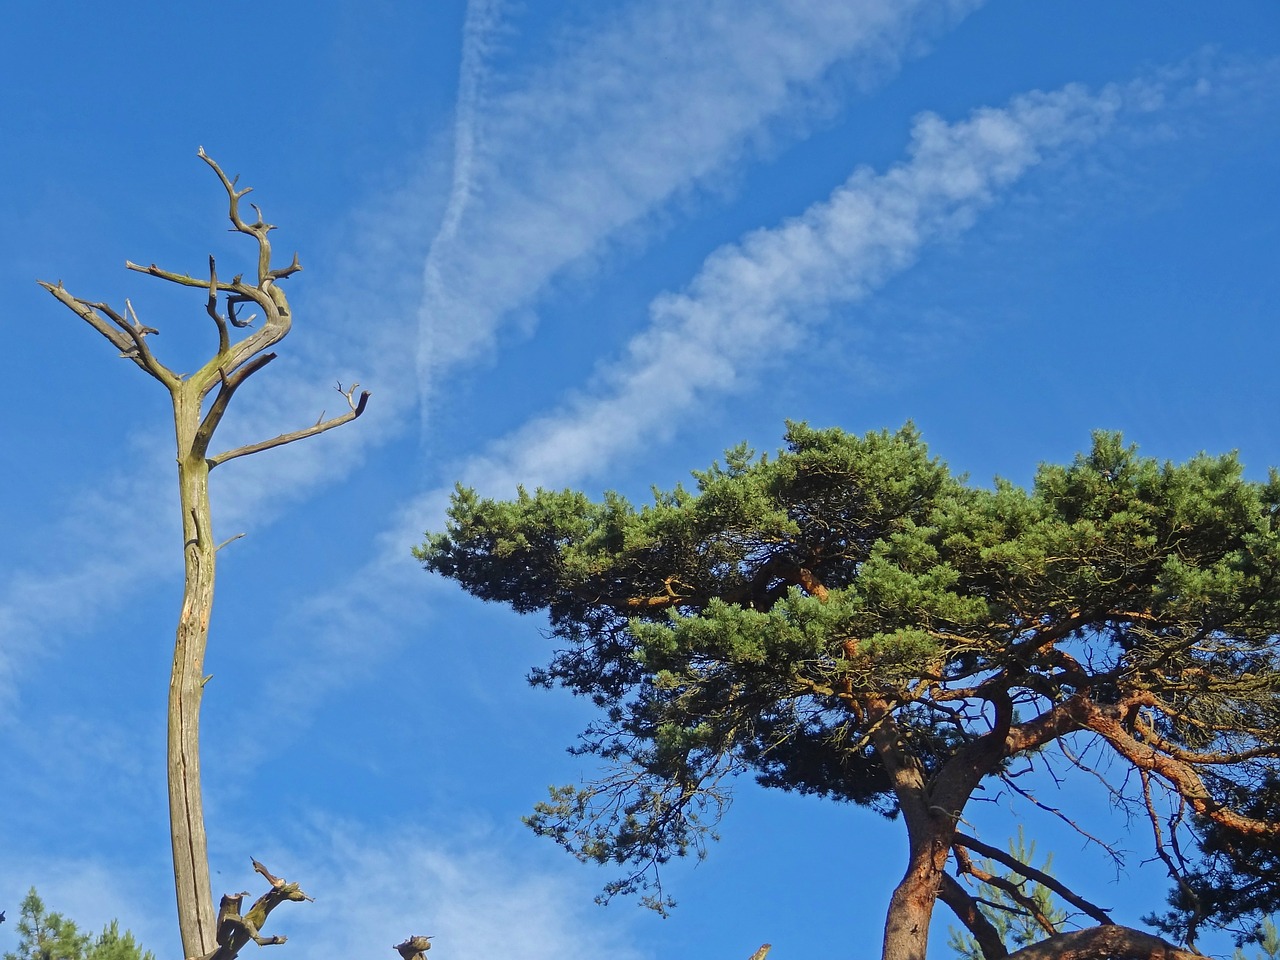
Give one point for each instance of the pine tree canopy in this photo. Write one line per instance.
(847, 618)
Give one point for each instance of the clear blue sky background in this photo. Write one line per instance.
(582, 243)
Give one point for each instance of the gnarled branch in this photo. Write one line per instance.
(127, 336)
(235, 930)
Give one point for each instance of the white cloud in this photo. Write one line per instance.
(626, 115)
(374, 890)
(756, 299)
(116, 519)
(750, 304)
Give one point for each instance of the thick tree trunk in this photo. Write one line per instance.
(930, 808)
(906, 928)
(930, 831)
(197, 920)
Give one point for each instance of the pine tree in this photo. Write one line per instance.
(1268, 940)
(851, 620)
(51, 936)
(111, 944)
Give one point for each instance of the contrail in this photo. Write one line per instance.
(481, 20)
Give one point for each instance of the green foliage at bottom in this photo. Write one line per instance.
(51, 936)
(1268, 940)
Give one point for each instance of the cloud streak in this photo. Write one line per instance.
(760, 297)
(624, 118)
(750, 304)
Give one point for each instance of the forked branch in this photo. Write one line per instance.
(229, 384)
(258, 229)
(127, 335)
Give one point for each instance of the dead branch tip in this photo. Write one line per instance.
(273, 880)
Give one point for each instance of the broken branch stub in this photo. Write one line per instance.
(414, 948)
(236, 930)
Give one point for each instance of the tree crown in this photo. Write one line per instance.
(850, 619)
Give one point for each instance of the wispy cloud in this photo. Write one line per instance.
(626, 114)
(372, 889)
(751, 304)
(482, 20)
(469, 894)
(625, 117)
(758, 298)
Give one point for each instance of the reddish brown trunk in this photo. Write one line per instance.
(906, 928)
(929, 833)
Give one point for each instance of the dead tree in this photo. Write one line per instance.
(195, 424)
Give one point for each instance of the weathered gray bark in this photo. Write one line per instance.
(194, 427)
(186, 688)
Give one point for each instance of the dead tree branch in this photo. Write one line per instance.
(356, 408)
(236, 930)
(415, 948)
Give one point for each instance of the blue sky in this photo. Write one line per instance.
(587, 244)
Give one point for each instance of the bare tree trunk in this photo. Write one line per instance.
(196, 919)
